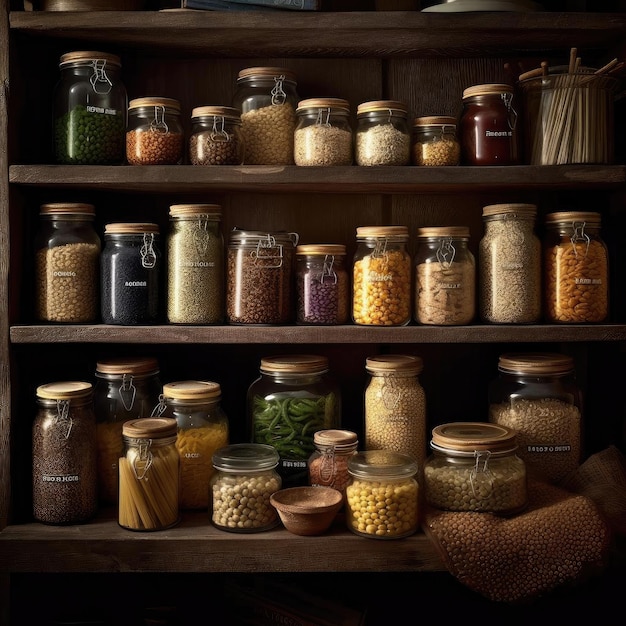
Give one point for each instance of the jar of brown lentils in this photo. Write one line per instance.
(435, 141)
(216, 136)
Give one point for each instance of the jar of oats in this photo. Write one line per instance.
(216, 136)
(576, 268)
(67, 263)
(445, 277)
(267, 98)
(536, 395)
(435, 141)
(382, 134)
(323, 133)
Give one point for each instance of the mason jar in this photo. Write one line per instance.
(67, 262)
(90, 110)
(216, 136)
(328, 463)
(435, 141)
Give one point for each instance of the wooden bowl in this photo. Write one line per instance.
(307, 510)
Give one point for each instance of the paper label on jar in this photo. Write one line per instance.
(60, 478)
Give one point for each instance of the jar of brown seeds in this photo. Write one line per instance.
(216, 136)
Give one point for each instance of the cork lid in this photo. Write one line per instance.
(267, 72)
(394, 363)
(487, 89)
(150, 428)
(470, 437)
(367, 232)
(394, 106)
(566, 217)
(120, 366)
(452, 232)
(336, 104)
(67, 208)
(173, 106)
(536, 363)
(340, 440)
(321, 249)
(130, 228)
(210, 211)
(295, 364)
(229, 113)
(435, 120)
(65, 390)
(89, 55)
(192, 390)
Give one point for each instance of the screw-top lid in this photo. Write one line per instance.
(565, 217)
(435, 120)
(321, 248)
(65, 390)
(368, 232)
(67, 208)
(453, 232)
(394, 364)
(468, 437)
(121, 366)
(229, 113)
(338, 105)
(172, 105)
(150, 428)
(393, 106)
(487, 89)
(131, 228)
(382, 463)
(210, 211)
(536, 363)
(192, 390)
(294, 364)
(340, 440)
(243, 457)
(266, 72)
(512, 208)
(89, 55)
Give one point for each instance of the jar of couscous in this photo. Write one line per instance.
(216, 136)
(435, 141)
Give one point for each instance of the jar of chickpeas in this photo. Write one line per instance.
(216, 136)
(435, 141)
(381, 289)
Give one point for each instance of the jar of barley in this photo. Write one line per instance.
(435, 141)
(67, 264)
(576, 268)
(216, 136)
(536, 394)
(267, 98)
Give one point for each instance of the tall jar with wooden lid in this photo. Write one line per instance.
(216, 137)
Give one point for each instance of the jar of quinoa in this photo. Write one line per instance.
(216, 136)
(435, 141)
(328, 464)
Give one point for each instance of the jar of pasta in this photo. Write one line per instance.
(328, 464)
(435, 141)
(216, 136)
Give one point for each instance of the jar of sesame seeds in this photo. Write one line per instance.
(216, 136)
(435, 141)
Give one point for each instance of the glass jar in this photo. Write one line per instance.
(322, 284)
(509, 265)
(382, 134)
(488, 126)
(474, 467)
(64, 454)
(445, 277)
(435, 142)
(382, 499)
(240, 468)
(576, 268)
(202, 429)
(328, 464)
(130, 274)
(292, 399)
(536, 395)
(90, 107)
(381, 280)
(125, 389)
(195, 265)
(149, 474)
(323, 133)
(154, 135)
(259, 277)
(267, 98)
(67, 262)
(216, 136)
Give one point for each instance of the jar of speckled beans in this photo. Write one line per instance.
(216, 136)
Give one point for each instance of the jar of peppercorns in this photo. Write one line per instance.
(154, 135)
(328, 464)
(216, 136)
(435, 141)
(90, 110)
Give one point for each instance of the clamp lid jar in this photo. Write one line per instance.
(328, 464)
(382, 134)
(216, 136)
(435, 141)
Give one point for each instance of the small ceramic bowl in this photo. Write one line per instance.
(307, 510)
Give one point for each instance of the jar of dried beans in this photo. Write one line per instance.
(195, 265)
(323, 133)
(64, 454)
(216, 136)
(576, 268)
(445, 277)
(328, 465)
(267, 98)
(67, 262)
(435, 141)
(381, 280)
(382, 134)
(537, 396)
(259, 275)
(509, 265)
(154, 135)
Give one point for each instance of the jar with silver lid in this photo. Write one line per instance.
(328, 464)
(216, 136)
(435, 141)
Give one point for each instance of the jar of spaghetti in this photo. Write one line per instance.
(216, 136)
(435, 141)
(328, 464)
(381, 285)
(576, 268)
(149, 470)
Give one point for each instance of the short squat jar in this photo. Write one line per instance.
(216, 136)
(245, 477)
(382, 499)
(154, 135)
(67, 262)
(474, 467)
(435, 141)
(576, 268)
(328, 464)
(323, 133)
(382, 134)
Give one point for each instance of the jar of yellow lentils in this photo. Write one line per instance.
(381, 287)
(382, 498)
(435, 141)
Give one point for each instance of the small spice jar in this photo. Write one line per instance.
(195, 265)
(67, 262)
(576, 268)
(435, 142)
(382, 134)
(445, 277)
(149, 474)
(474, 467)
(488, 126)
(244, 479)
(64, 454)
(323, 133)
(154, 135)
(260, 270)
(536, 395)
(90, 108)
(328, 464)
(267, 98)
(292, 399)
(322, 284)
(381, 278)
(130, 274)
(509, 265)
(216, 136)
(382, 499)
(202, 429)
(125, 389)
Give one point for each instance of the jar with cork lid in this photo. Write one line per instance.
(435, 141)
(216, 136)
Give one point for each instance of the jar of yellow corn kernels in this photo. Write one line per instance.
(435, 141)
(382, 497)
(381, 288)
(202, 429)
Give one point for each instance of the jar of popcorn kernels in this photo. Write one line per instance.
(435, 141)
(216, 136)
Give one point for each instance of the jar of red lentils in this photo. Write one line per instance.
(216, 136)
(328, 465)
